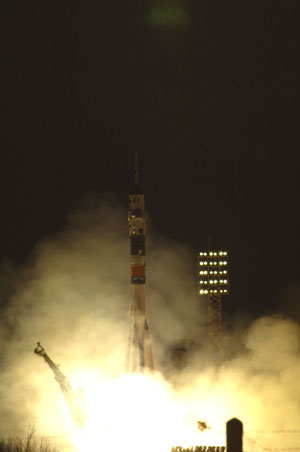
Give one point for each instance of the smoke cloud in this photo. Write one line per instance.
(73, 297)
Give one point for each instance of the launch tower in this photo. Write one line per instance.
(75, 402)
(140, 355)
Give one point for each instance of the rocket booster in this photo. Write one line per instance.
(140, 354)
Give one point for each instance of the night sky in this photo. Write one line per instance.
(206, 91)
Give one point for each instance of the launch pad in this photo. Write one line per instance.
(140, 361)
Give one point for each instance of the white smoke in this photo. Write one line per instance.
(73, 296)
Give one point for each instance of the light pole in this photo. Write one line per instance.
(213, 283)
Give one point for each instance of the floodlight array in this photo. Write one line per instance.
(213, 273)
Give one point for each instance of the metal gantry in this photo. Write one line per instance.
(74, 401)
(213, 283)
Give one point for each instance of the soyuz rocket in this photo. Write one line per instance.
(140, 355)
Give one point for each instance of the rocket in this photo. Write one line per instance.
(140, 355)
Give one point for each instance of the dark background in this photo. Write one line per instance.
(211, 105)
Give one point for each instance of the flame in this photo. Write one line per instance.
(137, 412)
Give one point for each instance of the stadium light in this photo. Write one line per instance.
(214, 273)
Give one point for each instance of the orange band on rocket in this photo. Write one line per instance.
(138, 271)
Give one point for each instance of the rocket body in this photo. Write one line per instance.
(140, 355)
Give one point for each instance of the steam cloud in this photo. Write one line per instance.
(73, 296)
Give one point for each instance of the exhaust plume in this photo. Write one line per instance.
(73, 296)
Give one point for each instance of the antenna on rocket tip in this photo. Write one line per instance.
(136, 170)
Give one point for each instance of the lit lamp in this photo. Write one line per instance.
(213, 283)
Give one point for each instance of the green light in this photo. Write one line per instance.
(169, 16)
